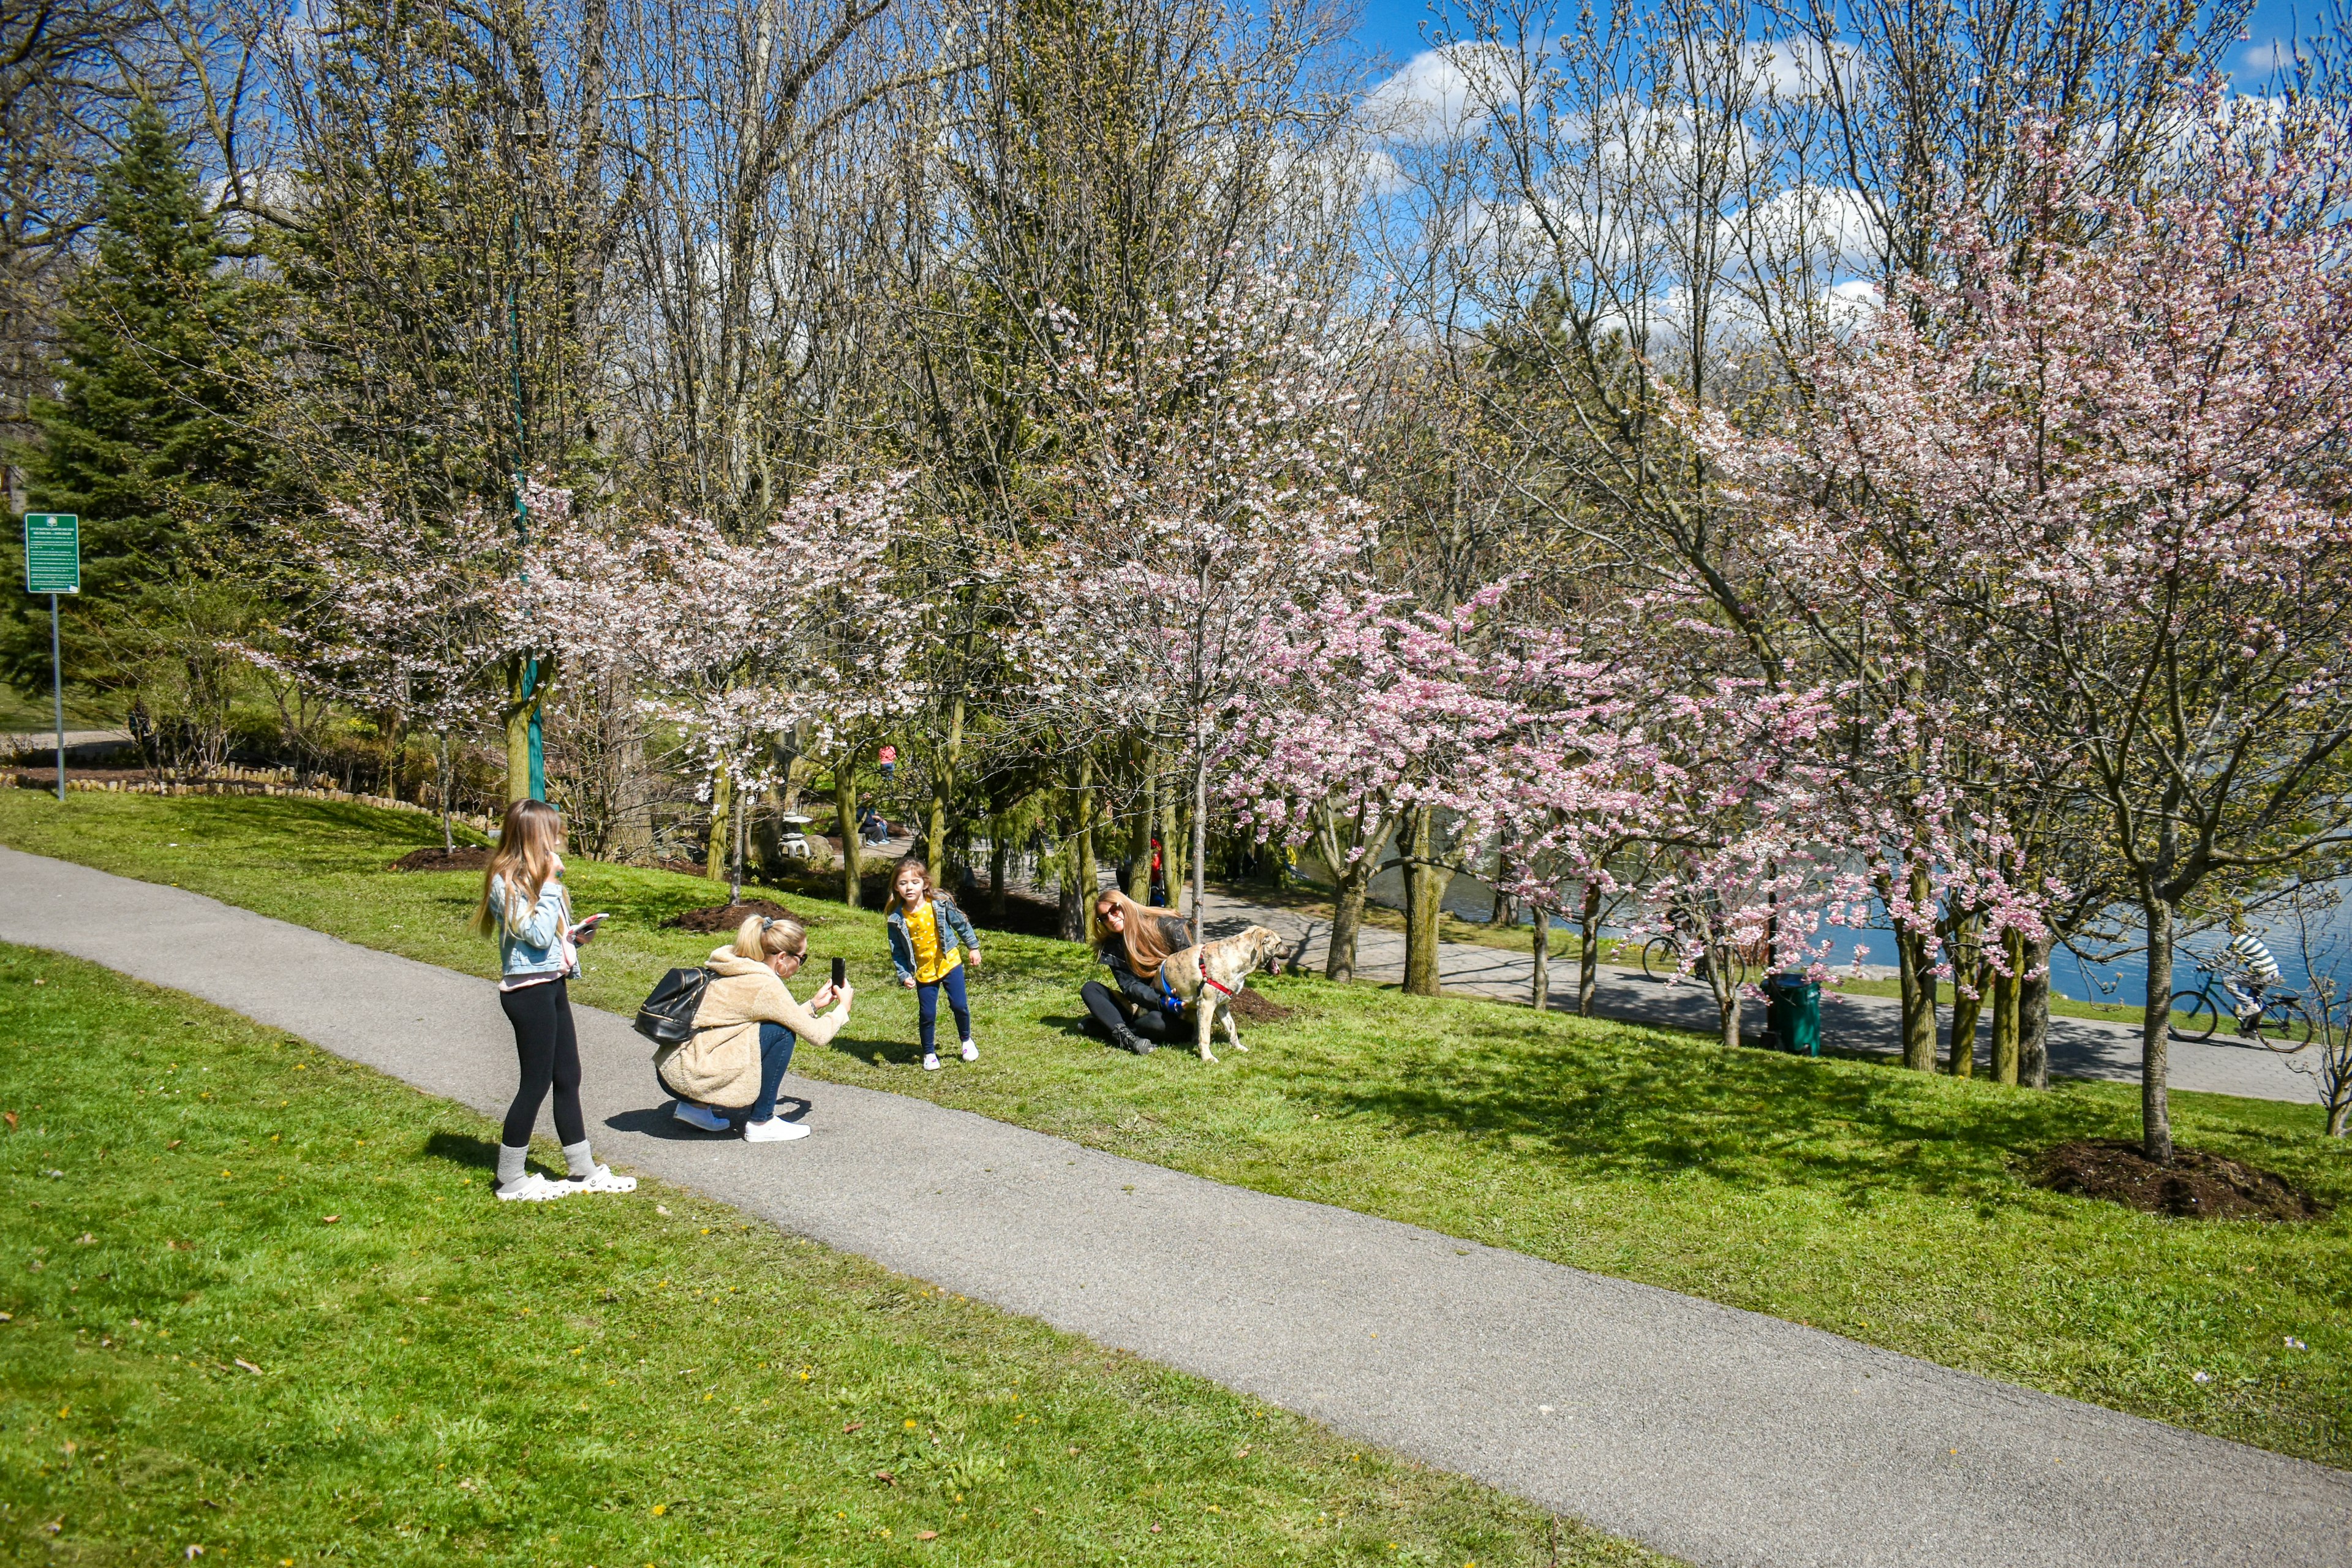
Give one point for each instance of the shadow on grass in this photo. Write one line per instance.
(461, 1148)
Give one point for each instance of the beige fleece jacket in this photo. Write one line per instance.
(721, 1065)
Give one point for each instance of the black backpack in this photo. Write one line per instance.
(668, 1017)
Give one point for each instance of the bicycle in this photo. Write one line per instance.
(1661, 958)
(2279, 1026)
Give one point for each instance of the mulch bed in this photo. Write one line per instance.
(1252, 1008)
(465, 857)
(2196, 1186)
(712, 919)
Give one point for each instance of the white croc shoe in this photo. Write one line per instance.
(695, 1115)
(533, 1188)
(600, 1180)
(775, 1129)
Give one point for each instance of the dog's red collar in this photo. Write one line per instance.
(1201, 958)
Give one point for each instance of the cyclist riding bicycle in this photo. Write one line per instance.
(2251, 971)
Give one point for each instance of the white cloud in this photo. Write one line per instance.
(1831, 223)
(1440, 94)
(2257, 63)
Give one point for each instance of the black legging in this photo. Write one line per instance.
(549, 1054)
(1104, 1004)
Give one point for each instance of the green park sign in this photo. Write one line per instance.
(52, 553)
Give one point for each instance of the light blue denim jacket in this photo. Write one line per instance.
(946, 919)
(534, 945)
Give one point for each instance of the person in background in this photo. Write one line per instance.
(744, 1032)
(889, 757)
(2249, 971)
(871, 827)
(525, 906)
(1132, 941)
(926, 930)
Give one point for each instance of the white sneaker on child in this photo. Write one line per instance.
(775, 1129)
(700, 1116)
(971, 1052)
(932, 1061)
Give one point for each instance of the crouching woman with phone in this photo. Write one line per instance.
(745, 1030)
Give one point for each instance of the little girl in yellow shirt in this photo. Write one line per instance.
(926, 932)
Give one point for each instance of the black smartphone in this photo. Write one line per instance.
(840, 972)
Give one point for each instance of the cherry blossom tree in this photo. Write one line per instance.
(744, 644)
(2115, 446)
(1206, 486)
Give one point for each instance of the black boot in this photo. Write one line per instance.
(1129, 1040)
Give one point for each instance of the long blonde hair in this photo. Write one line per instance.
(762, 937)
(530, 840)
(1146, 947)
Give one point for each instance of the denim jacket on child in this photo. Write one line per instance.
(534, 943)
(946, 919)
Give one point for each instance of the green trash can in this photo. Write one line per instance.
(1792, 1013)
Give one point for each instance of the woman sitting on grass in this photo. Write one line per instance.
(1133, 942)
(744, 1032)
(525, 906)
(926, 929)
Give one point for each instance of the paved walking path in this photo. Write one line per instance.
(1722, 1436)
(2079, 1048)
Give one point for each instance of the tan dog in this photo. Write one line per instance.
(1217, 971)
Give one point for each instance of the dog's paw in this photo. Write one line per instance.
(1241, 1048)
(1207, 1056)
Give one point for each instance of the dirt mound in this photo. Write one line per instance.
(712, 919)
(1252, 1008)
(2196, 1186)
(465, 857)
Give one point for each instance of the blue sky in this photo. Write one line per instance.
(1398, 27)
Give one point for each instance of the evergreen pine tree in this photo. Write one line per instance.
(143, 441)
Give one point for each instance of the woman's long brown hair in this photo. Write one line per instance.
(1144, 950)
(529, 841)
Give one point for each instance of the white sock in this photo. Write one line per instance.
(511, 1163)
(582, 1165)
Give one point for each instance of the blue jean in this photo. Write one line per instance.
(776, 1043)
(927, 1001)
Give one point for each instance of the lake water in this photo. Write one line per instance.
(2121, 979)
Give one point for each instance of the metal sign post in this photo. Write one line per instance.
(53, 566)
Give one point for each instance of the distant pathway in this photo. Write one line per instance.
(2079, 1048)
(1724, 1436)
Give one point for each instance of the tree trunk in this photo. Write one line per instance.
(742, 814)
(633, 806)
(1172, 848)
(943, 783)
(845, 808)
(2005, 990)
(1588, 957)
(1139, 837)
(448, 840)
(1962, 1061)
(1088, 879)
(714, 842)
(1199, 826)
(2156, 1036)
(1540, 982)
(1425, 892)
(1346, 920)
(996, 876)
(1919, 980)
(1719, 972)
(518, 710)
(2033, 1017)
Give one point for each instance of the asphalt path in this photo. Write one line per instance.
(1722, 1437)
(2079, 1048)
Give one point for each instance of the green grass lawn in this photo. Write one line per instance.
(1887, 1205)
(195, 1355)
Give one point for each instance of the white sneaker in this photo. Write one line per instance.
(774, 1130)
(600, 1180)
(700, 1116)
(532, 1188)
(931, 1062)
(971, 1052)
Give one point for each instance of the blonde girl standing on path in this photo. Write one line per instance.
(525, 906)
(926, 930)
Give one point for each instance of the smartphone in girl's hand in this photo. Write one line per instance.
(840, 972)
(587, 928)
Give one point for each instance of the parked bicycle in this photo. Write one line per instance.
(2278, 1023)
(1661, 958)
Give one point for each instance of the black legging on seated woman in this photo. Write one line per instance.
(1103, 1004)
(549, 1054)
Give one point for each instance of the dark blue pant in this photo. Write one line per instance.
(927, 998)
(776, 1043)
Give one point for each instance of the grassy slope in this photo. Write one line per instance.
(1882, 1204)
(443, 1377)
